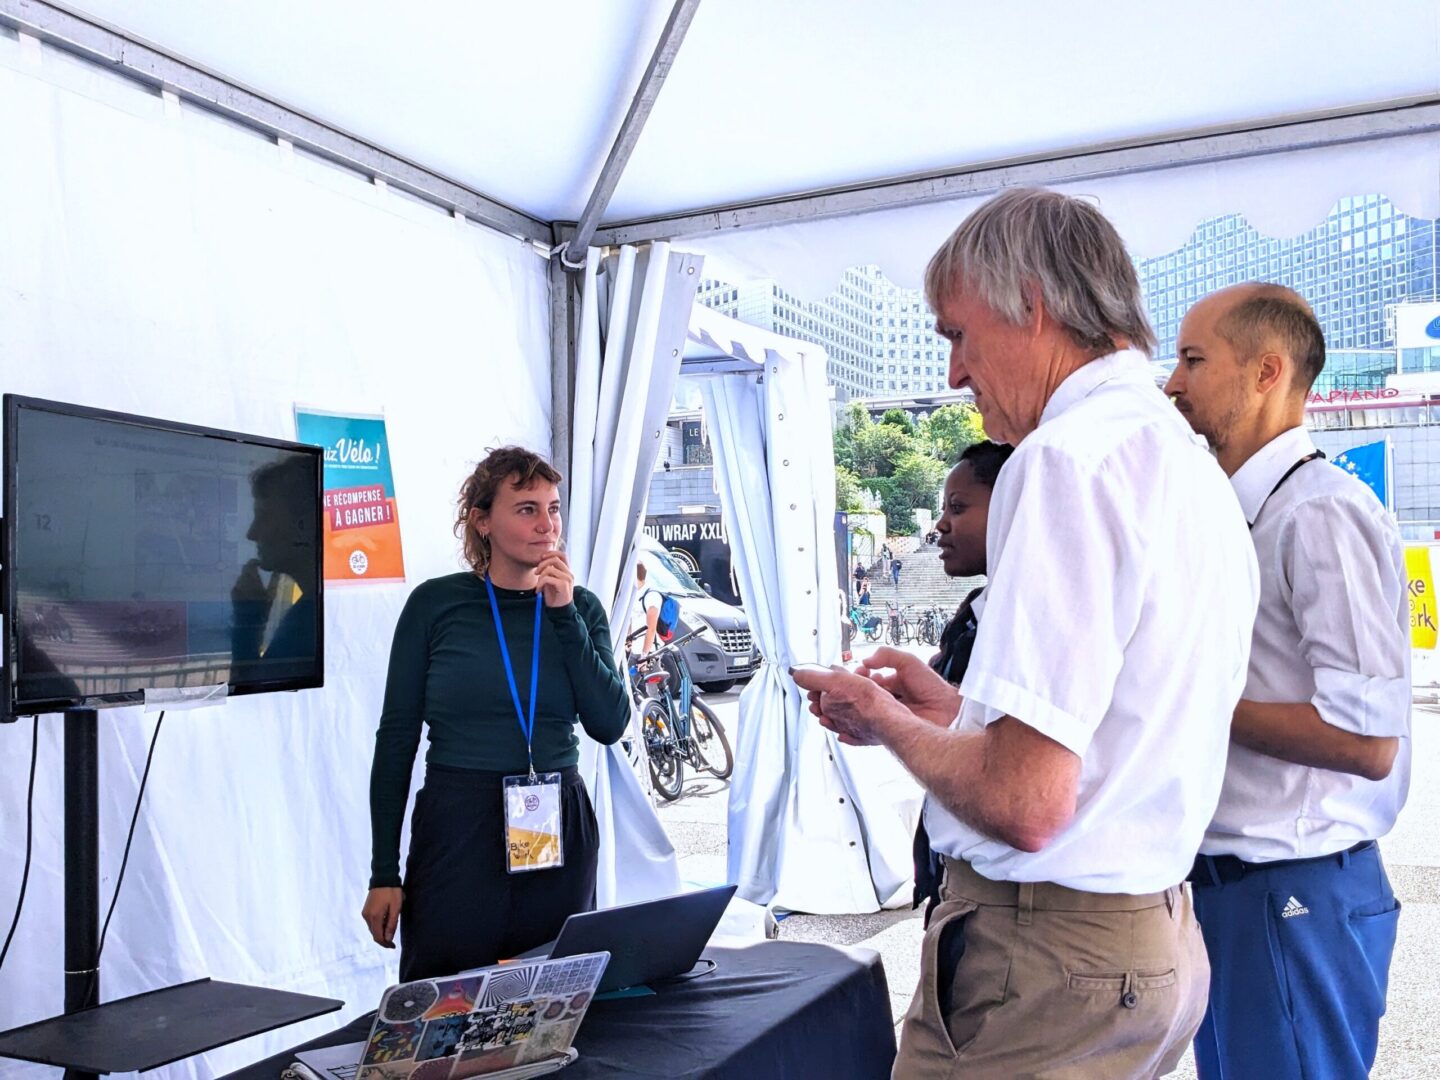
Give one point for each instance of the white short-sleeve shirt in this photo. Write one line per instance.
(646, 601)
(1334, 630)
(1117, 621)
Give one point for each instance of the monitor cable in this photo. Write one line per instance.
(125, 858)
(29, 837)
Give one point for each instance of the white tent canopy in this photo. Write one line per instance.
(767, 101)
(160, 260)
(521, 101)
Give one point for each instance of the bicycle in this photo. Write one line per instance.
(898, 630)
(928, 626)
(867, 623)
(679, 729)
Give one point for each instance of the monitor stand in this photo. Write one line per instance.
(150, 1029)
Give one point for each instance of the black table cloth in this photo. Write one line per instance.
(776, 1009)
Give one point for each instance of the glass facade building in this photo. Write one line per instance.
(880, 338)
(1353, 268)
(1355, 369)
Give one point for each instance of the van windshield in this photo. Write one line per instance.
(664, 573)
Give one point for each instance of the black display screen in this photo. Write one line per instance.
(146, 555)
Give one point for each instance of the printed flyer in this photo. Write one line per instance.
(362, 521)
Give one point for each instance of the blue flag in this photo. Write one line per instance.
(1368, 464)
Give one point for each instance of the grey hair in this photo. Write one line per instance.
(1026, 238)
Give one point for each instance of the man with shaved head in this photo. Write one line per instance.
(1298, 915)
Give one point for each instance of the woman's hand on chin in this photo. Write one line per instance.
(555, 580)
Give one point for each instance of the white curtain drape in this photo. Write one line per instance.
(158, 261)
(634, 313)
(804, 835)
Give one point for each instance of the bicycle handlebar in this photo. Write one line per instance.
(674, 643)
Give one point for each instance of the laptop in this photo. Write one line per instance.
(647, 942)
(513, 1020)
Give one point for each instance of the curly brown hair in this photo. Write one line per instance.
(521, 468)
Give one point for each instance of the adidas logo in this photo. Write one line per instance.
(1292, 908)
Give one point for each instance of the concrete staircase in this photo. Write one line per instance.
(923, 582)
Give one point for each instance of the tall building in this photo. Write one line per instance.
(879, 337)
(1353, 268)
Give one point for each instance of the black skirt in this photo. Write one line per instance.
(461, 908)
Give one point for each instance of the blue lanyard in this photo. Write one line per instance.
(527, 727)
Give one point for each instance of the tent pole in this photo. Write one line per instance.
(114, 50)
(661, 60)
(1393, 119)
(563, 319)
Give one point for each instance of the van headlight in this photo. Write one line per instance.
(707, 632)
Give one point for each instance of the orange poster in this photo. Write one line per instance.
(362, 520)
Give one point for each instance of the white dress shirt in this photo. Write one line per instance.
(1334, 630)
(1117, 622)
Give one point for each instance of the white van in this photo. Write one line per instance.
(724, 652)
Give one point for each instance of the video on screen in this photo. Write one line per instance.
(149, 558)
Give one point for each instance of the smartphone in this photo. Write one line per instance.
(818, 669)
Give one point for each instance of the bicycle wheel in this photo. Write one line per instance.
(927, 629)
(872, 633)
(712, 745)
(667, 771)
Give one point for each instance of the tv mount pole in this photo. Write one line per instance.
(82, 865)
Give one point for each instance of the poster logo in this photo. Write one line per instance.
(358, 563)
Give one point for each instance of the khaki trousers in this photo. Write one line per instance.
(1037, 980)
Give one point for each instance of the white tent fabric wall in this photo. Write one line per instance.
(1281, 195)
(160, 262)
(803, 835)
(635, 309)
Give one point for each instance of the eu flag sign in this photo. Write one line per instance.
(1368, 464)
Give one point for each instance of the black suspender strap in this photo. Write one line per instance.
(1281, 482)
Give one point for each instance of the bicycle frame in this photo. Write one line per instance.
(674, 699)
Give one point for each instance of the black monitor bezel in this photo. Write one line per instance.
(13, 403)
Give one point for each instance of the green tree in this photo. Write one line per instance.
(876, 448)
(847, 489)
(950, 429)
(854, 419)
(899, 418)
(915, 484)
(902, 463)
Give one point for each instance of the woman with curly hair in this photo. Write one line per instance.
(475, 655)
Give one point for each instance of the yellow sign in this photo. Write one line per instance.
(1421, 587)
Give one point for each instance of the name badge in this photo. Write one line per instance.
(532, 823)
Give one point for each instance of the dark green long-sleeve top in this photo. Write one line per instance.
(446, 673)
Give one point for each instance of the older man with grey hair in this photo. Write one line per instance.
(1071, 778)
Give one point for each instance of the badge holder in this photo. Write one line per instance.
(532, 823)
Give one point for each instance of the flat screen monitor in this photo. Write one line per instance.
(145, 555)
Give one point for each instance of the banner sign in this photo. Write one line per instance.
(362, 524)
(1421, 589)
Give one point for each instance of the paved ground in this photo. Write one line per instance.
(1410, 1033)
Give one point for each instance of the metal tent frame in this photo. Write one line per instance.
(151, 65)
